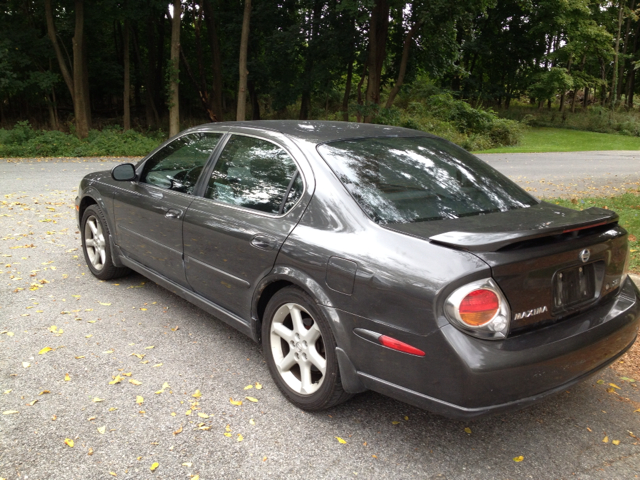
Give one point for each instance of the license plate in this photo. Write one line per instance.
(574, 286)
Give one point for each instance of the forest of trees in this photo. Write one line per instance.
(149, 64)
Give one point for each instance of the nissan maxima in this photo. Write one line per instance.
(368, 257)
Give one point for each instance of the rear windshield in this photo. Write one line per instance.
(413, 179)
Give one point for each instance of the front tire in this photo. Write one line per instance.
(301, 351)
(95, 245)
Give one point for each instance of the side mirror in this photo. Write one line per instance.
(123, 172)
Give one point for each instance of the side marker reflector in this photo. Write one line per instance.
(400, 346)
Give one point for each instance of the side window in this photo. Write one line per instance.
(255, 174)
(178, 165)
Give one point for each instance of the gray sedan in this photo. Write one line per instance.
(370, 257)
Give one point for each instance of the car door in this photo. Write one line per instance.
(150, 211)
(232, 234)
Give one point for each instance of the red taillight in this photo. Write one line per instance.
(479, 307)
(400, 346)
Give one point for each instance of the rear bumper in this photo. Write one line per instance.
(464, 377)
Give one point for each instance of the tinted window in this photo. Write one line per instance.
(252, 173)
(415, 179)
(178, 165)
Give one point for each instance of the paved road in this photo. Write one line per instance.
(108, 328)
(571, 174)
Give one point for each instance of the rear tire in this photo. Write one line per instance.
(96, 247)
(300, 350)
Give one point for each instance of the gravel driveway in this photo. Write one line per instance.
(136, 377)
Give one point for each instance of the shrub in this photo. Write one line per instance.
(23, 141)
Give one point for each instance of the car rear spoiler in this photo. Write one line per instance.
(494, 241)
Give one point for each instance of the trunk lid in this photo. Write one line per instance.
(551, 262)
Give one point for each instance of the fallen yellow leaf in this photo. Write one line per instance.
(179, 430)
(248, 387)
(614, 386)
(605, 439)
(114, 474)
(258, 386)
(105, 304)
(240, 437)
(45, 350)
(251, 399)
(467, 430)
(149, 348)
(69, 442)
(203, 415)
(118, 379)
(96, 399)
(252, 421)
(188, 412)
(26, 364)
(395, 422)
(44, 392)
(616, 442)
(139, 400)
(66, 377)
(340, 440)
(134, 381)
(154, 466)
(10, 412)
(102, 429)
(32, 403)
(235, 402)
(518, 459)
(197, 394)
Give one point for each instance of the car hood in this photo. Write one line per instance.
(491, 232)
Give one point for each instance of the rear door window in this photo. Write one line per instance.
(256, 174)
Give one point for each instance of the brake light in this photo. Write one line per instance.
(400, 346)
(479, 307)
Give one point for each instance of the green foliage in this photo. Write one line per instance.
(429, 109)
(564, 140)
(23, 141)
(593, 119)
(551, 82)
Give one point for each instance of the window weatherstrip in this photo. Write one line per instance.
(286, 195)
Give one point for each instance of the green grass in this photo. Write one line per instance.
(565, 140)
(627, 206)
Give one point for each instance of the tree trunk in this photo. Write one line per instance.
(347, 92)
(255, 103)
(585, 100)
(359, 99)
(174, 97)
(631, 76)
(127, 84)
(622, 64)
(216, 60)
(403, 63)
(51, 31)
(202, 89)
(378, 30)
(244, 45)
(81, 107)
(614, 83)
(563, 94)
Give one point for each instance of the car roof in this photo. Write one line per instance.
(320, 131)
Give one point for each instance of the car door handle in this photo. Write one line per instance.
(173, 213)
(264, 242)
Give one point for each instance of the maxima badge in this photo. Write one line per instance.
(584, 255)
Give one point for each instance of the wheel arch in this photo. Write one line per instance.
(279, 278)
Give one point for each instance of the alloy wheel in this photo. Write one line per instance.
(94, 242)
(298, 349)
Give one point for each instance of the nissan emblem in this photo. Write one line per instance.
(584, 255)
